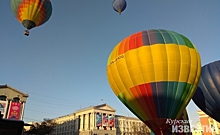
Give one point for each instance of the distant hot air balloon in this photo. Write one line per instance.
(155, 74)
(207, 95)
(31, 13)
(119, 5)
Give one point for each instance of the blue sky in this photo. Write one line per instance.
(62, 64)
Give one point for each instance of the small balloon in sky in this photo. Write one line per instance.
(119, 5)
(31, 13)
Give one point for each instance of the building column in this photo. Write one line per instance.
(81, 122)
(22, 111)
(88, 120)
(91, 121)
(114, 122)
(94, 120)
(7, 109)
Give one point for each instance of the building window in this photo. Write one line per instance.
(79, 122)
(16, 99)
(3, 98)
(84, 116)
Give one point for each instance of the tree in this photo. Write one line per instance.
(142, 129)
(44, 128)
(145, 129)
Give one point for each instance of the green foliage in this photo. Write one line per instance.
(43, 128)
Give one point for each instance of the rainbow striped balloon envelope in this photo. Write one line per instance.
(155, 74)
(31, 13)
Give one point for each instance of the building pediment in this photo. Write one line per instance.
(98, 108)
(13, 90)
(104, 107)
(11, 93)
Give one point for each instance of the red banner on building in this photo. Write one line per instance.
(14, 111)
(111, 121)
(105, 120)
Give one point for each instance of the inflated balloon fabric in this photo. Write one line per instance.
(207, 95)
(154, 73)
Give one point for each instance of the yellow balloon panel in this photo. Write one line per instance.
(154, 62)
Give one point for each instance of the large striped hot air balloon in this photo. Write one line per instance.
(155, 74)
(207, 95)
(31, 13)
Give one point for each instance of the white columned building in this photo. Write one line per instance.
(87, 121)
(99, 120)
(11, 98)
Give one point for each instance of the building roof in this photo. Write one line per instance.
(6, 86)
(87, 108)
(96, 107)
(125, 117)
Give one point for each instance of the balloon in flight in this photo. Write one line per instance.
(31, 13)
(155, 74)
(119, 5)
(207, 95)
